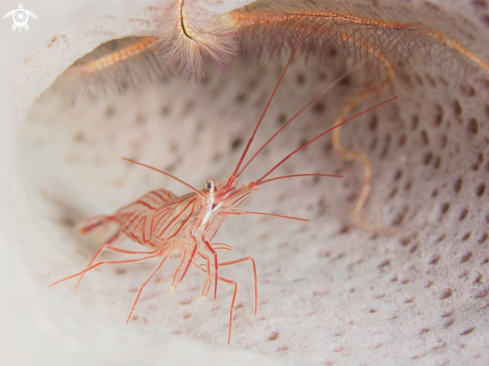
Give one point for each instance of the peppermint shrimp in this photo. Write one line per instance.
(185, 226)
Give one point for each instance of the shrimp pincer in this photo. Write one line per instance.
(185, 226)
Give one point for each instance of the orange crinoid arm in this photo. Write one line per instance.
(394, 33)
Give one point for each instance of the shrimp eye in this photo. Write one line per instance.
(209, 186)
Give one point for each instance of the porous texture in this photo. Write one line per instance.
(329, 291)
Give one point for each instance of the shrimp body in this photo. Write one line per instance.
(159, 219)
(185, 226)
(163, 221)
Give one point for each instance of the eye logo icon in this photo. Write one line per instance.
(20, 17)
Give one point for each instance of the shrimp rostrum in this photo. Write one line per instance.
(185, 226)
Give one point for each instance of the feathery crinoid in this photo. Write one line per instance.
(194, 35)
(187, 33)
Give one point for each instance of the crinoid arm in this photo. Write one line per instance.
(376, 34)
(112, 67)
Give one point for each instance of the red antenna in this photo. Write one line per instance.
(239, 213)
(329, 87)
(268, 104)
(167, 174)
(301, 175)
(261, 180)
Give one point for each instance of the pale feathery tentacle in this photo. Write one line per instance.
(194, 36)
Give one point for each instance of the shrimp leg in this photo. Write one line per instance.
(255, 278)
(233, 301)
(179, 269)
(108, 247)
(189, 262)
(216, 266)
(231, 311)
(143, 285)
(174, 282)
(222, 246)
(207, 284)
(93, 266)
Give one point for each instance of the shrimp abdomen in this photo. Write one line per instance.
(135, 219)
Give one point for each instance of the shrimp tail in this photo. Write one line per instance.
(101, 228)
